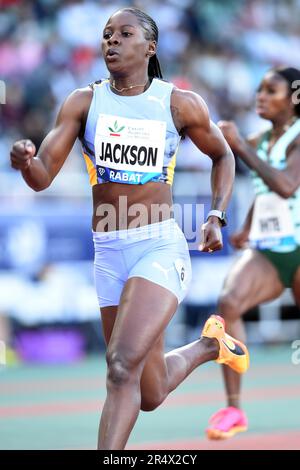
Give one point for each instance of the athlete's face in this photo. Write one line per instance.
(124, 46)
(273, 98)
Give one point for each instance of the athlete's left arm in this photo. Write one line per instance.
(192, 116)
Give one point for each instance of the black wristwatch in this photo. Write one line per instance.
(220, 214)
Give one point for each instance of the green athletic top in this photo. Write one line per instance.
(278, 159)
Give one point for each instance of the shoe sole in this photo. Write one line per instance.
(217, 434)
(240, 368)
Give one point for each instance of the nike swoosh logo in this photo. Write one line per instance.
(236, 350)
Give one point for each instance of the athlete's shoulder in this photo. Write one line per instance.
(187, 98)
(191, 107)
(294, 145)
(76, 106)
(79, 99)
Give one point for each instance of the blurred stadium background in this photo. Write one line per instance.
(48, 306)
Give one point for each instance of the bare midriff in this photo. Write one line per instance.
(119, 206)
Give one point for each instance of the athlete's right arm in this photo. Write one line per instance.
(40, 170)
(240, 238)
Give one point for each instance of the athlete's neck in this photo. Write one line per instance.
(282, 123)
(129, 86)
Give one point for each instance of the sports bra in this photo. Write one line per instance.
(130, 139)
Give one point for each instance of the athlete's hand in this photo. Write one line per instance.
(239, 239)
(231, 134)
(21, 154)
(211, 236)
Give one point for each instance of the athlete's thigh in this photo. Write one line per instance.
(108, 318)
(296, 287)
(252, 280)
(144, 311)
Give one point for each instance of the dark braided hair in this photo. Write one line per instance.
(290, 75)
(151, 34)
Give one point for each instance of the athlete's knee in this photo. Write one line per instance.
(120, 368)
(230, 306)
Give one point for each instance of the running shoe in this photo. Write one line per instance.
(226, 423)
(232, 352)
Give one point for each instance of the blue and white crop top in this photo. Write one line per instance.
(278, 159)
(131, 139)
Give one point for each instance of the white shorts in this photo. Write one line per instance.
(157, 252)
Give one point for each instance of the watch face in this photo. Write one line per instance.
(224, 219)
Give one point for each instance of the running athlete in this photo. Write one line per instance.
(272, 227)
(130, 126)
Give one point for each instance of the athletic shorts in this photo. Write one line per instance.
(286, 264)
(156, 252)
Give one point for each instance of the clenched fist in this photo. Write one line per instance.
(240, 239)
(231, 134)
(21, 154)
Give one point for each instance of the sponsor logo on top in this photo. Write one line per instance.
(116, 130)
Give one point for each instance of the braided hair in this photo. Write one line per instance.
(151, 34)
(290, 75)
